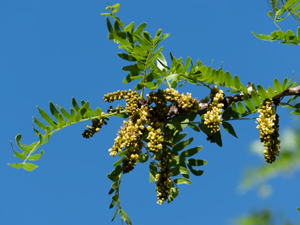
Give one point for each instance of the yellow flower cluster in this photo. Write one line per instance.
(96, 126)
(268, 125)
(117, 95)
(132, 99)
(156, 138)
(129, 137)
(163, 178)
(185, 102)
(214, 111)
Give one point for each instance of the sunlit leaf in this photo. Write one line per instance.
(29, 166)
(153, 171)
(182, 181)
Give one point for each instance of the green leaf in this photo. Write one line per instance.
(143, 158)
(114, 175)
(161, 61)
(75, 105)
(174, 194)
(165, 36)
(186, 65)
(125, 217)
(64, 112)
(182, 145)
(262, 93)
(298, 207)
(227, 113)
(39, 124)
(263, 37)
(290, 81)
(240, 108)
(36, 156)
(233, 106)
(16, 165)
(217, 138)
(150, 85)
(17, 154)
(228, 127)
(228, 79)
(29, 166)
(153, 171)
(191, 152)
(126, 57)
(109, 26)
(98, 112)
(119, 162)
(248, 103)
(132, 68)
(53, 110)
(236, 82)
(129, 28)
(194, 127)
(178, 137)
(277, 86)
(271, 93)
(296, 112)
(255, 98)
(183, 170)
(47, 118)
(196, 162)
(182, 181)
(61, 121)
(284, 83)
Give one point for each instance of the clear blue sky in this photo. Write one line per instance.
(54, 50)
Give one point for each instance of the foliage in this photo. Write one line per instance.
(282, 10)
(153, 129)
(262, 217)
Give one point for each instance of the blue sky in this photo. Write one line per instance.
(56, 50)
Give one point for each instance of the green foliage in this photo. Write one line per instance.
(262, 217)
(51, 125)
(281, 11)
(149, 67)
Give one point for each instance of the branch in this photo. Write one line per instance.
(175, 111)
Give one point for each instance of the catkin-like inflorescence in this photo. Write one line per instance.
(185, 102)
(214, 111)
(132, 101)
(155, 137)
(96, 126)
(129, 138)
(163, 178)
(268, 125)
(159, 98)
(117, 95)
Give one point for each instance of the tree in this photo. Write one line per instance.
(160, 127)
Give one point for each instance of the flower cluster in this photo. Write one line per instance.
(132, 99)
(117, 95)
(214, 111)
(129, 137)
(155, 137)
(163, 178)
(159, 98)
(268, 125)
(96, 126)
(185, 102)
